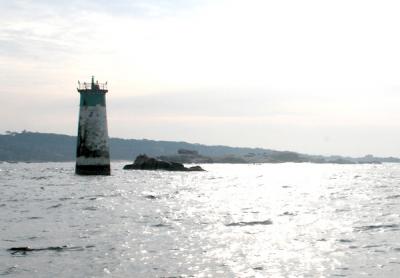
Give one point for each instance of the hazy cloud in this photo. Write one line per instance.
(283, 74)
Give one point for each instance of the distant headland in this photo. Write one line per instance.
(29, 146)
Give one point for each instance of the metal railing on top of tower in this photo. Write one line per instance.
(91, 86)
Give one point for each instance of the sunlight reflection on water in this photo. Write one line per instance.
(270, 220)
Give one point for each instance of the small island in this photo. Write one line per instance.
(143, 162)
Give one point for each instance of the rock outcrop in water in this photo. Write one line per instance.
(23, 250)
(143, 162)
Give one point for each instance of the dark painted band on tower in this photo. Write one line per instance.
(93, 170)
(92, 99)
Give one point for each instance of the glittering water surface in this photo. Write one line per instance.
(270, 220)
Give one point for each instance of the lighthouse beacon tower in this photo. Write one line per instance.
(92, 151)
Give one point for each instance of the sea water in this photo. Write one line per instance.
(262, 220)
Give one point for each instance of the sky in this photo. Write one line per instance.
(318, 77)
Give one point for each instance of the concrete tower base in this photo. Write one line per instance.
(93, 170)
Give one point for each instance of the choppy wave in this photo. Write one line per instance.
(272, 220)
(249, 223)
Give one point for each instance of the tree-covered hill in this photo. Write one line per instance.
(35, 146)
(42, 147)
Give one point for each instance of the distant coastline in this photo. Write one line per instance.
(29, 146)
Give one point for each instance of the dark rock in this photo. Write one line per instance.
(143, 162)
(23, 250)
(196, 168)
(20, 249)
